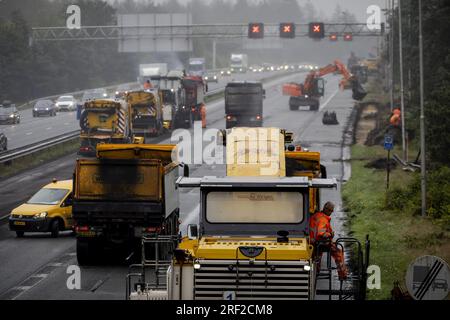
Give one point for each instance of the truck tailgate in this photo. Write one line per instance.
(118, 180)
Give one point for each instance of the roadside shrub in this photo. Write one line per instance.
(407, 199)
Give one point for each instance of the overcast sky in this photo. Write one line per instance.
(357, 7)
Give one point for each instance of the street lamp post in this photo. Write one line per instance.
(402, 98)
(422, 120)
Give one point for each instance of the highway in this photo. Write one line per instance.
(34, 267)
(31, 130)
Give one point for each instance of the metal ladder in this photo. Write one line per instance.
(160, 260)
(354, 287)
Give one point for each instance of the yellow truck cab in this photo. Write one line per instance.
(49, 210)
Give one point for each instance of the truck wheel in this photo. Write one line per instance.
(20, 234)
(85, 252)
(314, 107)
(54, 228)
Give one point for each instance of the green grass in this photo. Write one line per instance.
(38, 158)
(397, 238)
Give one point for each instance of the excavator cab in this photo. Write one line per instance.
(319, 87)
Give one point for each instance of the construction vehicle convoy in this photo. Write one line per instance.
(252, 241)
(244, 104)
(103, 121)
(127, 191)
(310, 92)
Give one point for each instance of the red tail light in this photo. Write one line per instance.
(258, 117)
(81, 228)
(228, 117)
(193, 109)
(298, 148)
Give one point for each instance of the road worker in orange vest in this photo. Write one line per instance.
(320, 230)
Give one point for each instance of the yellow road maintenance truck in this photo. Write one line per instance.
(146, 113)
(127, 191)
(103, 121)
(252, 241)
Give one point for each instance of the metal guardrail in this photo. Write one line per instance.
(39, 146)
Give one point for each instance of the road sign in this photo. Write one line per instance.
(287, 30)
(388, 142)
(348, 37)
(316, 30)
(428, 278)
(256, 30)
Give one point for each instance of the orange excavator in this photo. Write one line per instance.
(309, 92)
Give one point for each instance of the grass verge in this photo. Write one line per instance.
(38, 158)
(397, 237)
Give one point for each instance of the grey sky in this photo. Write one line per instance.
(357, 7)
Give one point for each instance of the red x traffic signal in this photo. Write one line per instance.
(333, 37)
(316, 30)
(287, 30)
(256, 30)
(348, 37)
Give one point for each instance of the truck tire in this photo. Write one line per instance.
(314, 107)
(292, 105)
(85, 252)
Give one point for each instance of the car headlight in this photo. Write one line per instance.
(46, 109)
(11, 116)
(41, 215)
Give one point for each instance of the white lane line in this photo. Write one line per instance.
(4, 217)
(40, 275)
(66, 123)
(49, 128)
(29, 133)
(328, 100)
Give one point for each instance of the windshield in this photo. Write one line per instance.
(168, 96)
(43, 104)
(48, 196)
(254, 207)
(196, 67)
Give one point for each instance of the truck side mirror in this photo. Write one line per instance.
(185, 171)
(192, 232)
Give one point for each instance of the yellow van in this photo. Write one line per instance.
(49, 210)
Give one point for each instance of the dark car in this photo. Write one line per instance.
(3, 142)
(44, 108)
(9, 113)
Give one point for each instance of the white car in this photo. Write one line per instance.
(66, 103)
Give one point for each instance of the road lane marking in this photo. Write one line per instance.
(29, 133)
(328, 100)
(49, 128)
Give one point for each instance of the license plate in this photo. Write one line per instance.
(19, 223)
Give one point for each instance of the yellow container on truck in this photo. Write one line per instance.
(127, 191)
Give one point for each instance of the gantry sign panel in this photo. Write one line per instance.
(187, 31)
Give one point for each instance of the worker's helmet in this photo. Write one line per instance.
(328, 207)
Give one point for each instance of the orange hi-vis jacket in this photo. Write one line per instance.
(320, 227)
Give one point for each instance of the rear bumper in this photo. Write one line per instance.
(244, 122)
(29, 225)
(43, 113)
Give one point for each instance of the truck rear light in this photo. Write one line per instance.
(193, 109)
(152, 229)
(258, 117)
(81, 228)
(228, 117)
(298, 148)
